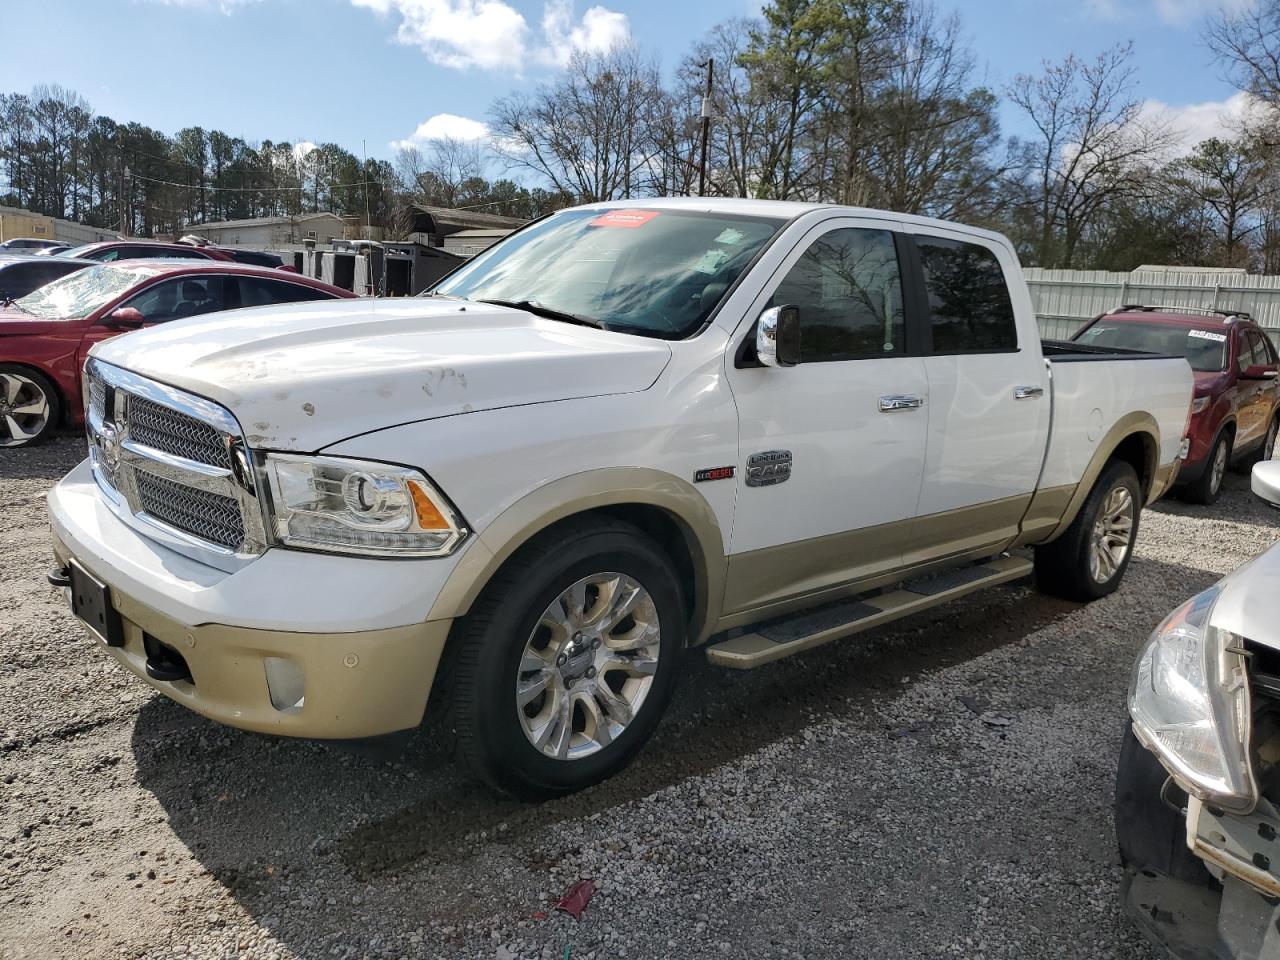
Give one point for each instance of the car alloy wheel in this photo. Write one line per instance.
(588, 666)
(1218, 467)
(1269, 445)
(1112, 537)
(24, 409)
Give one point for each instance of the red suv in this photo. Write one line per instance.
(1233, 414)
(46, 335)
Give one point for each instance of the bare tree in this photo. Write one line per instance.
(1248, 39)
(1093, 147)
(590, 133)
(936, 133)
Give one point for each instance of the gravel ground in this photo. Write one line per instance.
(856, 801)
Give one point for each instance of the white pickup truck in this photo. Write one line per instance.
(625, 430)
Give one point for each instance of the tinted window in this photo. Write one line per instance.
(175, 299)
(849, 292)
(968, 297)
(259, 292)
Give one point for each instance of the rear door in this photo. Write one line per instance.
(1255, 397)
(988, 398)
(830, 467)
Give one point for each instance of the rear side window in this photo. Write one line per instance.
(968, 297)
(849, 292)
(260, 292)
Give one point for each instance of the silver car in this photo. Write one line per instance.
(1198, 789)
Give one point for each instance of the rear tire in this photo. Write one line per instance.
(30, 407)
(565, 664)
(1208, 487)
(1089, 560)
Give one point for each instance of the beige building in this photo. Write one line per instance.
(270, 233)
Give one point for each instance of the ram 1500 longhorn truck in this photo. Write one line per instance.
(624, 430)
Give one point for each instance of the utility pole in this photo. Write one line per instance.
(706, 127)
(125, 183)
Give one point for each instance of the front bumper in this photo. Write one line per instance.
(346, 626)
(1194, 922)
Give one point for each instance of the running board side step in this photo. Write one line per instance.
(775, 639)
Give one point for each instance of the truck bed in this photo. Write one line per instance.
(1068, 351)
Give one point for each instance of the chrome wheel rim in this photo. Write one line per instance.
(24, 409)
(1112, 535)
(588, 666)
(1219, 467)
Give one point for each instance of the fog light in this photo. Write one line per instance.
(286, 684)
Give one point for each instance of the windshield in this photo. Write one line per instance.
(659, 273)
(1205, 350)
(78, 294)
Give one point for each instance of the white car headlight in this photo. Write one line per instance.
(1190, 705)
(355, 506)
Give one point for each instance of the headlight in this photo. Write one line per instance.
(354, 506)
(1199, 403)
(1190, 705)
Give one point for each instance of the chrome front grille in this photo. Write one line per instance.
(174, 466)
(97, 397)
(162, 428)
(209, 516)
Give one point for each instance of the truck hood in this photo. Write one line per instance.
(303, 376)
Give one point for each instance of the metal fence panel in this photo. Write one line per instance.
(1065, 299)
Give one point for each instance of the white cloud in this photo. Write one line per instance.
(1195, 122)
(494, 35)
(599, 31)
(302, 148)
(444, 126)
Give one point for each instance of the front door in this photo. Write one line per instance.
(989, 399)
(832, 449)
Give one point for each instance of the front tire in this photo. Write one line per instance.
(1089, 560)
(29, 406)
(565, 664)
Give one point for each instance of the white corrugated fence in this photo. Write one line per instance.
(1065, 299)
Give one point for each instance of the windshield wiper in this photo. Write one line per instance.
(538, 310)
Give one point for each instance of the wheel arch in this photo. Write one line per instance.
(664, 506)
(1134, 439)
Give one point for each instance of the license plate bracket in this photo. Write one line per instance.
(91, 603)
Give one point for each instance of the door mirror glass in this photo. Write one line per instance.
(778, 336)
(1258, 372)
(125, 317)
(1265, 481)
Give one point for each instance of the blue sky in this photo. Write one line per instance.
(378, 70)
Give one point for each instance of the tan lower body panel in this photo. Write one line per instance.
(757, 648)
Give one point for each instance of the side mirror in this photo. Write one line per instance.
(778, 336)
(1265, 481)
(1258, 372)
(127, 318)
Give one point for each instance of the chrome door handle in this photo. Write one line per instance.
(1026, 393)
(900, 401)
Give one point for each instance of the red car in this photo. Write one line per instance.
(1233, 414)
(106, 251)
(46, 335)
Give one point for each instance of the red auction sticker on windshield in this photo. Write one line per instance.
(629, 219)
